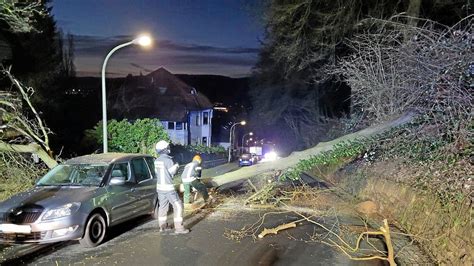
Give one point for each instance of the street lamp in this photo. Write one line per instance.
(142, 40)
(248, 134)
(230, 137)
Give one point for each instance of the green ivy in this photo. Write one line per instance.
(124, 136)
(199, 148)
(340, 152)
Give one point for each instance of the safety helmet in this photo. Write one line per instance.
(161, 146)
(197, 158)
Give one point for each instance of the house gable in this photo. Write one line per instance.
(159, 94)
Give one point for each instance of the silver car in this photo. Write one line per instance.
(80, 199)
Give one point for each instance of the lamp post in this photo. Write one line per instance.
(248, 134)
(143, 40)
(230, 137)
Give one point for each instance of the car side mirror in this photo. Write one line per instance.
(117, 181)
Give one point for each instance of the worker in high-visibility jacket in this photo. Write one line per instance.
(191, 178)
(165, 169)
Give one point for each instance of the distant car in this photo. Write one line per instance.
(256, 157)
(81, 199)
(246, 159)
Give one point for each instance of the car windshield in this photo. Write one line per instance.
(74, 175)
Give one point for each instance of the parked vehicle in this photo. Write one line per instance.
(256, 157)
(246, 159)
(81, 199)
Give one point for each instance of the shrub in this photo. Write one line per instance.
(130, 137)
(199, 148)
(18, 173)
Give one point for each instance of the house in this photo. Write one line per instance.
(184, 112)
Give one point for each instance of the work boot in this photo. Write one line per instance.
(180, 230)
(164, 228)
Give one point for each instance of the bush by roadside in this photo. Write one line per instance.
(17, 174)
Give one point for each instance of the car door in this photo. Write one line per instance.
(122, 198)
(145, 186)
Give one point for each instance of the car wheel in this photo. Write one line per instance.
(95, 231)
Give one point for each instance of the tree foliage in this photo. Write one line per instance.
(292, 87)
(20, 15)
(42, 58)
(430, 72)
(130, 137)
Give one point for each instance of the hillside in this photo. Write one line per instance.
(220, 88)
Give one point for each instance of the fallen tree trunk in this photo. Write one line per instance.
(30, 148)
(295, 157)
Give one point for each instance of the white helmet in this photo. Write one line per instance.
(161, 146)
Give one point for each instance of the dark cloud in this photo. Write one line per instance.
(166, 44)
(192, 59)
(88, 45)
(94, 45)
(195, 58)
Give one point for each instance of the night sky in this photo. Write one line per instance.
(194, 37)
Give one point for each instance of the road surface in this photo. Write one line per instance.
(208, 243)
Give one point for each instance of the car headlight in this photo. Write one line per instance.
(62, 211)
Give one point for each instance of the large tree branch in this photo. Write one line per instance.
(295, 157)
(44, 140)
(29, 148)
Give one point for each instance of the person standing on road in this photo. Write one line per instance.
(165, 170)
(191, 178)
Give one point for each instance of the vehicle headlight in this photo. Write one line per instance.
(62, 211)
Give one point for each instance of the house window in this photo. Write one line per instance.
(162, 90)
(205, 118)
(204, 141)
(179, 125)
(170, 125)
(198, 118)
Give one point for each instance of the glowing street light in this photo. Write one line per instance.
(142, 40)
(243, 122)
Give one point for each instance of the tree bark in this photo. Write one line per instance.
(413, 12)
(295, 157)
(30, 148)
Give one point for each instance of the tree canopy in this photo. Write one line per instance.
(293, 86)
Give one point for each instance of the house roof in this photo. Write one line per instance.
(159, 94)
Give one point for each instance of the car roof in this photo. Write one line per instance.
(106, 158)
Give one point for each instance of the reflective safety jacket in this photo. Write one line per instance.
(165, 169)
(191, 172)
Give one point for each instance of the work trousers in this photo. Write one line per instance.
(199, 186)
(165, 198)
